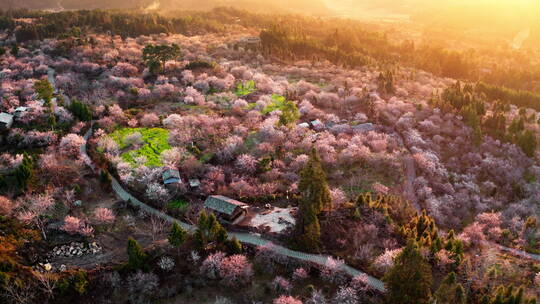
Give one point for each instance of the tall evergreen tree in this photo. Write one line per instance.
(44, 89)
(137, 258)
(209, 230)
(313, 185)
(177, 236)
(315, 196)
(409, 281)
(24, 172)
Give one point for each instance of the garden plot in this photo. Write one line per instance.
(142, 142)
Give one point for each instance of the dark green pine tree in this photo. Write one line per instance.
(209, 230)
(177, 236)
(409, 281)
(137, 258)
(24, 172)
(45, 90)
(315, 196)
(234, 246)
(313, 185)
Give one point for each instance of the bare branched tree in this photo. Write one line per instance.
(19, 293)
(47, 282)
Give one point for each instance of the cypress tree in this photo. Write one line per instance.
(315, 196)
(313, 184)
(409, 281)
(177, 236)
(234, 246)
(24, 172)
(137, 258)
(44, 90)
(209, 230)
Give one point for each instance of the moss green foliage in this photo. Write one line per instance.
(244, 88)
(209, 231)
(277, 103)
(178, 204)
(44, 90)
(289, 113)
(315, 193)
(80, 110)
(137, 258)
(155, 141)
(409, 281)
(177, 235)
(155, 56)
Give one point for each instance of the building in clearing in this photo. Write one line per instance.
(171, 177)
(226, 209)
(194, 183)
(19, 112)
(6, 120)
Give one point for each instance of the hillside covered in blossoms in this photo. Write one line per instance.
(225, 156)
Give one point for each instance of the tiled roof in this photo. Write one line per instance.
(6, 118)
(223, 204)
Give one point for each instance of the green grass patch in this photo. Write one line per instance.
(178, 204)
(155, 141)
(245, 88)
(278, 102)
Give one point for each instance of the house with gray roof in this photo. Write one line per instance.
(226, 209)
(194, 183)
(171, 177)
(6, 120)
(19, 112)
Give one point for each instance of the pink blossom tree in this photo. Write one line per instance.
(149, 120)
(104, 216)
(6, 206)
(211, 266)
(74, 225)
(235, 270)
(287, 300)
(34, 208)
(281, 285)
(70, 145)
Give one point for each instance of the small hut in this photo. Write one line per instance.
(171, 177)
(226, 209)
(6, 120)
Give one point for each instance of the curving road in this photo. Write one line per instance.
(247, 238)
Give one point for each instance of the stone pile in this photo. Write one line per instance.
(75, 249)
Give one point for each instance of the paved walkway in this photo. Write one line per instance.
(247, 238)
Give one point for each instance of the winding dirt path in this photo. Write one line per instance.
(247, 238)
